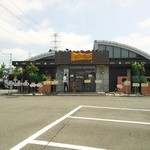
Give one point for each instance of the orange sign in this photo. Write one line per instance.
(75, 56)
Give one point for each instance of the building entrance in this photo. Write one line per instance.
(82, 79)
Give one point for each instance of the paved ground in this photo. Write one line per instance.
(74, 122)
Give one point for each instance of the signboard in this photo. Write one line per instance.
(18, 83)
(81, 57)
(32, 84)
(87, 81)
(75, 56)
(10, 83)
(144, 84)
(136, 84)
(127, 82)
(39, 84)
(47, 82)
(98, 81)
(25, 83)
(119, 86)
(54, 82)
(71, 75)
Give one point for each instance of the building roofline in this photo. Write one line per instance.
(40, 56)
(121, 45)
(104, 42)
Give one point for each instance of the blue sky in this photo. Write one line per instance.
(27, 26)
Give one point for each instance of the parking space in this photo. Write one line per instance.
(114, 114)
(90, 127)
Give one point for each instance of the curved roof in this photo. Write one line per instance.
(124, 46)
(40, 56)
(103, 42)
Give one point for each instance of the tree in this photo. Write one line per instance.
(31, 69)
(16, 72)
(2, 68)
(32, 72)
(138, 71)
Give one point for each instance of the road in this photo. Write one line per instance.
(73, 122)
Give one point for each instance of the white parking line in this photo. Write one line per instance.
(111, 120)
(31, 138)
(116, 108)
(63, 145)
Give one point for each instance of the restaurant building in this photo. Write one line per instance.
(99, 70)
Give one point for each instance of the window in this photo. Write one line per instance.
(101, 47)
(132, 55)
(110, 49)
(117, 52)
(125, 53)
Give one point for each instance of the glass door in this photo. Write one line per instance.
(83, 80)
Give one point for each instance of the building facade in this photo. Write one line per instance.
(101, 69)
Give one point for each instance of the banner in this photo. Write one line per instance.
(76, 56)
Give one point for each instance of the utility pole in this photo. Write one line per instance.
(10, 63)
(10, 59)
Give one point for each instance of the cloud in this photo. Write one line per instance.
(75, 41)
(26, 5)
(16, 54)
(145, 24)
(17, 9)
(126, 3)
(70, 41)
(19, 34)
(136, 40)
(23, 37)
(43, 37)
(14, 35)
(14, 25)
(45, 23)
(139, 39)
(78, 6)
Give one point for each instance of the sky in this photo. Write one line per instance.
(27, 27)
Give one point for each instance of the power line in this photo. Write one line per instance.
(12, 34)
(26, 15)
(18, 18)
(19, 37)
(11, 13)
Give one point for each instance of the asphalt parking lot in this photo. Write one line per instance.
(74, 122)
